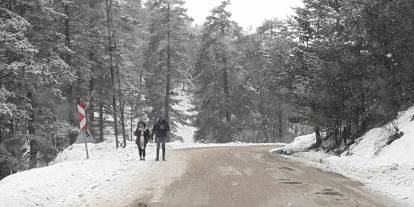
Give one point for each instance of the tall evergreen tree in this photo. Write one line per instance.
(166, 57)
(213, 76)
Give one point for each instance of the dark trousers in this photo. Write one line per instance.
(141, 152)
(160, 143)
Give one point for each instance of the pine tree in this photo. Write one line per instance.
(33, 76)
(212, 76)
(110, 36)
(166, 58)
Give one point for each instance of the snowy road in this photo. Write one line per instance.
(250, 176)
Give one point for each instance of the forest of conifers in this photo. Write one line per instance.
(336, 67)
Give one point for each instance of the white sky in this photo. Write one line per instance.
(245, 12)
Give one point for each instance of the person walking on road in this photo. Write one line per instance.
(143, 136)
(160, 129)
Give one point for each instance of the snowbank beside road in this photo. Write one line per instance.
(388, 169)
(300, 143)
(110, 178)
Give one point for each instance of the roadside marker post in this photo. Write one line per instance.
(83, 126)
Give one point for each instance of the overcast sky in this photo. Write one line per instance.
(245, 12)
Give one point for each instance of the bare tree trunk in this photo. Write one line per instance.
(168, 87)
(225, 81)
(91, 104)
(101, 103)
(122, 106)
(32, 131)
(71, 107)
(67, 31)
(121, 100)
(68, 60)
(274, 122)
(108, 4)
(226, 89)
(132, 120)
(101, 121)
(226, 94)
(280, 121)
(68, 56)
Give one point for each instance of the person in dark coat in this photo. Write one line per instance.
(143, 136)
(160, 129)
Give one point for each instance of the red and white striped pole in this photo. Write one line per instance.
(82, 125)
(82, 116)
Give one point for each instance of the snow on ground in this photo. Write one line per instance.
(185, 131)
(300, 143)
(110, 178)
(386, 169)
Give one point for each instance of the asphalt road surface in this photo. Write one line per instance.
(252, 177)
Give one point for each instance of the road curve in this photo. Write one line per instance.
(252, 177)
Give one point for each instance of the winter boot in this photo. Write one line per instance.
(157, 158)
(163, 154)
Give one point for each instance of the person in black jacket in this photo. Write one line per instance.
(143, 136)
(160, 129)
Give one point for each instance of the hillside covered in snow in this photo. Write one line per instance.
(388, 169)
(109, 178)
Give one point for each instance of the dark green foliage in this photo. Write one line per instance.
(352, 67)
(213, 75)
(31, 77)
(244, 81)
(53, 53)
